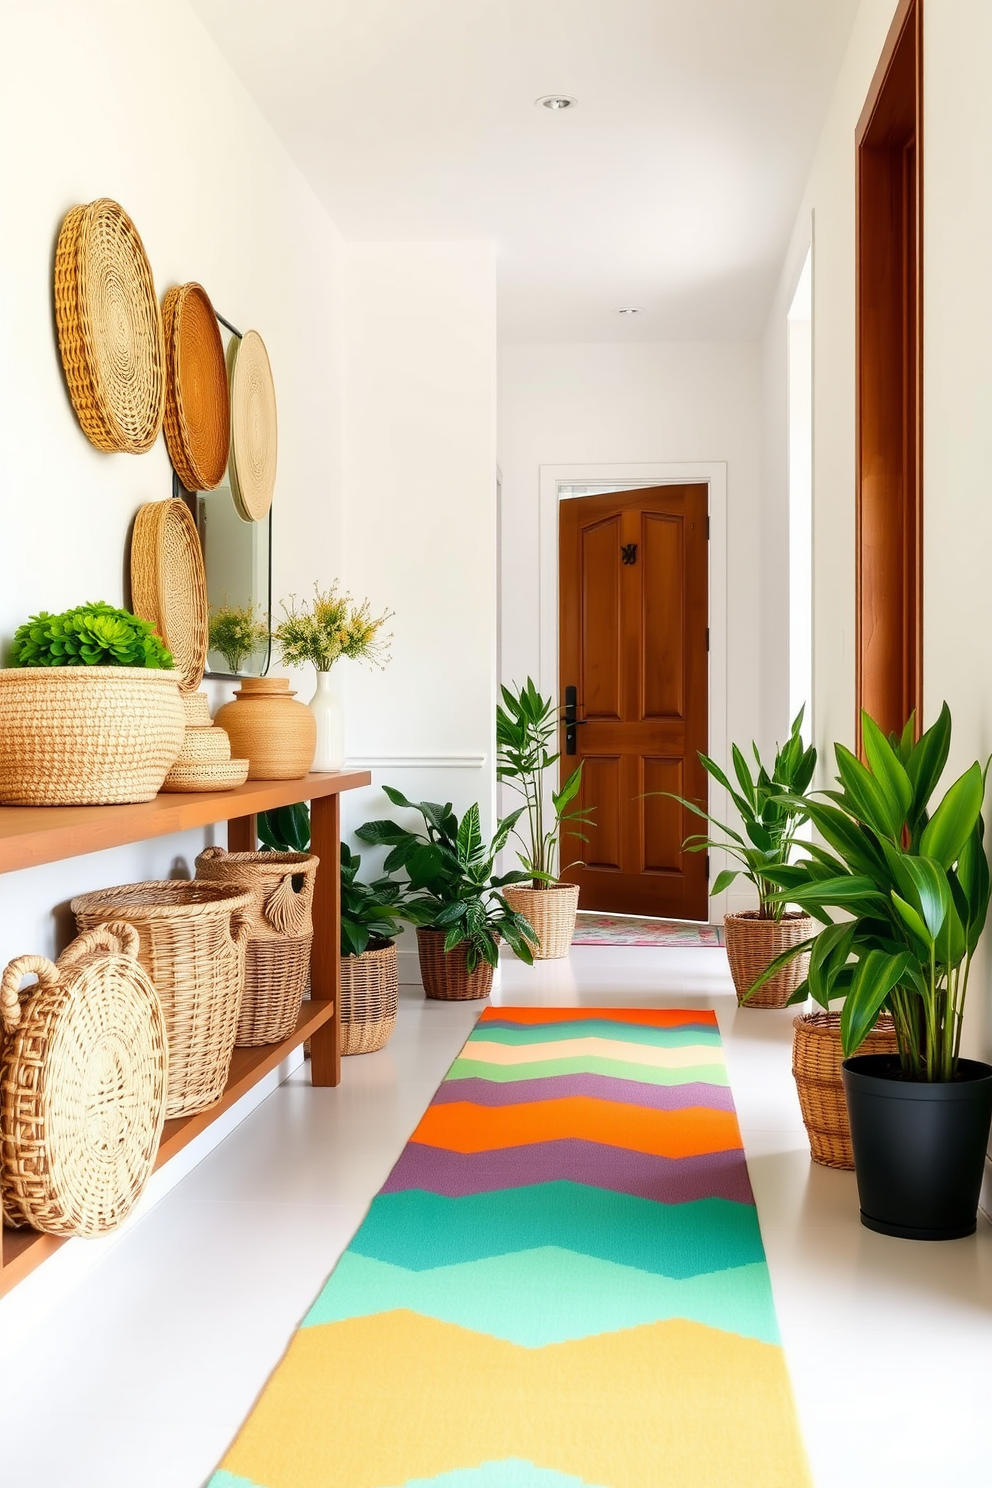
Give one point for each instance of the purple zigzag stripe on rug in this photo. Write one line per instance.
(594, 1087)
(668, 1180)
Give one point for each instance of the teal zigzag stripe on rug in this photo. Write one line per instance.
(421, 1231)
(627, 1033)
(222, 1479)
(514, 1472)
(537, 1297)
(480, 1069)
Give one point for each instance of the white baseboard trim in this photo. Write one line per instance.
(42, 1291)
(416, 762)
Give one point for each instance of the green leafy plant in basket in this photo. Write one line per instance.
(526, 725)
(451, 883)
(285, 829)
(369, 911)
(911, 881)
(96, 635)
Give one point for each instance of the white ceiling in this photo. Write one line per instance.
(673, 185)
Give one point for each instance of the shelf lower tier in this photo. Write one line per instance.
(23, 1250)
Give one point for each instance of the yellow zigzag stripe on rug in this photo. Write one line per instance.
(382, 1400)
(490, 1052)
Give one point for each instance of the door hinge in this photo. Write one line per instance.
(707, 638)
(707, 867)
(707, 528)
(628, 553)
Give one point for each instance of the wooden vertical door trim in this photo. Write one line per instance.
(889, 387)
(325, 968)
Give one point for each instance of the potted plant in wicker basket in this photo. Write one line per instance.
(91, 710)
(452, 895)
(912, 882)
(369, 969)
(770, 805)
(525, 727)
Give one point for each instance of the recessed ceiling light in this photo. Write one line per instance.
(629, 310)
(556, 101)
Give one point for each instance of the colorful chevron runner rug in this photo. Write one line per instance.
(562, 1283)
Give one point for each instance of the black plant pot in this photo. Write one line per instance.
(919, 1149)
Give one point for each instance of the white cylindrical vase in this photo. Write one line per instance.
(328, 711)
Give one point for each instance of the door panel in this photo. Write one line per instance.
(633, 641)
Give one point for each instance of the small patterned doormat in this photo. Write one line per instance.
(630, 930)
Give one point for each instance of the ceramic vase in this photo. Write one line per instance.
(267, 727)
(328, 712)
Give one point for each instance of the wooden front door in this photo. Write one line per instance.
(633, 610)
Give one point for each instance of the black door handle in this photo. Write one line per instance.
(569, 719)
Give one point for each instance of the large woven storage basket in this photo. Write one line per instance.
(445, 975)
(816, 1065)
(87, 736)
(280, 935)
(192, 945)
(753, 943)
(82, 1085)
(369, 999)
(551, 914)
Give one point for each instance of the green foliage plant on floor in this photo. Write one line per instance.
(771, 805)
(369, 911)
(285, 829)
(911, 881)
(90, 635)
(526, 725)
(451, 883)
(236, 632)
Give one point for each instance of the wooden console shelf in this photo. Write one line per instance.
(32, 835)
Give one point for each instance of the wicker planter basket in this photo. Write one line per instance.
(752, 943)
(280, 934)
(87, 736)
(369, 996)
(191, 943)
(446, 977)
(816, 1065)
(551, 912)
(82, 1085)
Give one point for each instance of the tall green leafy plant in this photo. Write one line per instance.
(90, 635)
(451, 882)
(770, 804)
(912, 881)
(369, 911)
(525, 729)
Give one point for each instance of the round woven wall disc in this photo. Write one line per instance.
(197, 403)
(169, 586)
(110, 328)
(253, 428)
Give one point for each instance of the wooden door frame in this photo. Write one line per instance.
(712, 473)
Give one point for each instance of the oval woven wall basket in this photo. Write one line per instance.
(169, 584)
(82, 1085)
(254, 432)
(109, 328)
(197, 401)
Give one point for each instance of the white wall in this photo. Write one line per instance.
(134, 102)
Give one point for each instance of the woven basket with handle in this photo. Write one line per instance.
(816, 1065)
(280, 935)
(82, 1085)
(445, 974)
(192, 944)
(369, 999)
(752, 943)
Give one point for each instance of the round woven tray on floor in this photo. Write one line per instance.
(109, 328)
(82, 1085)
(280, 934)
(816, 1064)
(445, 976)
(551, 914)
(197, 399)
(86, 736)
(369, 999)
(169, 584)
(752, 943)
(192, 944)
(254, 431)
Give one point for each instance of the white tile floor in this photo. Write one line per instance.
(142, 1375)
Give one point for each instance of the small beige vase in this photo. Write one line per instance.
(753, 942)
(268, 728)
(551, 913)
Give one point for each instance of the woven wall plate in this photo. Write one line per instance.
(197, 401)
(109, 328)
(169, 586)
(253, 427)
